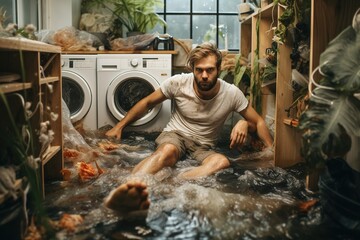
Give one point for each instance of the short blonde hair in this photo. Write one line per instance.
(201, 51)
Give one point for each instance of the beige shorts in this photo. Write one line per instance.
(185, 144)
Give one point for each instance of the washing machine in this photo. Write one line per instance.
(123, 80)
(79, 89)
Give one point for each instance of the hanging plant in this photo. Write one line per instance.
(292, 15)
(256, 81)
(294, 25)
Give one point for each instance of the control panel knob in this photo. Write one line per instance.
(134, 62)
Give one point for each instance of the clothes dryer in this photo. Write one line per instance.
(79, 89)
(123, 80)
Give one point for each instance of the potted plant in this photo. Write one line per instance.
(136, 16)
(331, 128)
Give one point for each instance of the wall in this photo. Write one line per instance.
(58, 14)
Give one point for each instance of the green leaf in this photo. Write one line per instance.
(239, 76)
(340, 62)
(287, 17)
(326, 122)
(223, 74)
(134, 15)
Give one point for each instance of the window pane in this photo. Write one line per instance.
(29, 13)
(204, 29)
(230, 38)
(178, 26)
(199, 21)
(160, 8)
(228, 6)
(10, 7)
(204, 6)
(178, 6)
(159, 28)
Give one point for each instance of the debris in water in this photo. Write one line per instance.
(305, 206)
(70, 221)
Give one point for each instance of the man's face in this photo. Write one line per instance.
(206, 73)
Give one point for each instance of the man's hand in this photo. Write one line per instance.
(239, 134)
(114, 132)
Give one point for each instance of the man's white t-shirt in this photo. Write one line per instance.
(197, 118)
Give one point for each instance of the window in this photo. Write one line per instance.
(21, 12)
(203, 20)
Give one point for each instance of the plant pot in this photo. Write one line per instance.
(12, 219)
(338, 195)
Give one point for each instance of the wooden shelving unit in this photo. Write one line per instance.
(275, 102)
(38, 64)
(328, 19)
(287, 138)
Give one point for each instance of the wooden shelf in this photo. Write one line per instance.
(25, 58)
(49, 80)
(247, 20)
(50, 153)
(16, 43)
(14, 87)
(269, 11)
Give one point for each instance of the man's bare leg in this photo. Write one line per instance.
(133, 196)
(210, 165)
(128, 197)
(165, 155)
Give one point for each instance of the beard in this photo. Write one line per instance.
(205, 85)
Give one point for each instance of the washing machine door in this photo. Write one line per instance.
(126, 90)
(76, 93)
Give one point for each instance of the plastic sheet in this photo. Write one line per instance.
(72, 138)
(70, 39)
(138, 42)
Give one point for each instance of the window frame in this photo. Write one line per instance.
(191, 14)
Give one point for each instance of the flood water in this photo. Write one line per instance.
(250, 200)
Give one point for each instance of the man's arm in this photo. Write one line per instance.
(257, 123)
(136, 112)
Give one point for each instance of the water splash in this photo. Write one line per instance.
(250, 200)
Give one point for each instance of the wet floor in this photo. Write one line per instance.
(250, 200)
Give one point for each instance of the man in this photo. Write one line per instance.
(202, 104)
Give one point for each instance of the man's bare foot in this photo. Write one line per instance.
(128, 197)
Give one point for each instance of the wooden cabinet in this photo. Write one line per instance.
(38, 67)
(328, 19)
